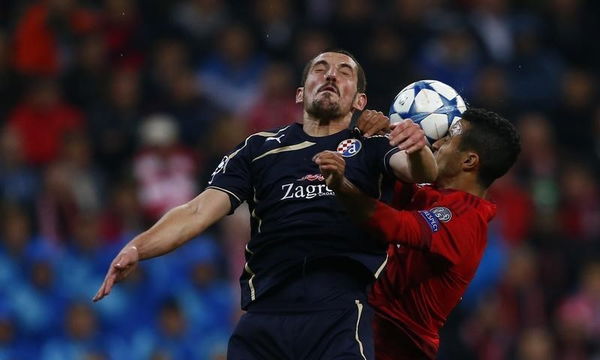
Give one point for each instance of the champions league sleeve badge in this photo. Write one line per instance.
(442, 213)
(349, 147)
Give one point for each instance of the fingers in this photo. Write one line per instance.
(408, 136)
(363, 120)
(325, 156)
(372, 122)
(110, 281)
(332, 165)
(99, 294)
(418, 145)
(329, 163)
(106, 286)
(121, 266)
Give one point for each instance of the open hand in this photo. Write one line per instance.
(332, 165)
(123, 265)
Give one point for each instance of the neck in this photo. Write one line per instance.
(468, 184)
(318, 127)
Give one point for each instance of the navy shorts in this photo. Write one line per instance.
(321, 314)
(341, 334)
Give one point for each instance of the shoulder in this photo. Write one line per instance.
(379, 146)
(456, 203)
(376, 140)
(272, 132)
(257, 139)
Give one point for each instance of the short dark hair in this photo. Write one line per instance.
(494, 139)
(361, 84)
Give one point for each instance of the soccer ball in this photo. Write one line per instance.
(432, 104)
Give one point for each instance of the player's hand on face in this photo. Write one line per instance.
(332, 165)
(122, 265)
(373, 122)
(408, 136)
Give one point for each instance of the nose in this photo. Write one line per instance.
(331, 74)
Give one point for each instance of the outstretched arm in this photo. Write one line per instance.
(393, 226)
(176, 227)
(415, 229)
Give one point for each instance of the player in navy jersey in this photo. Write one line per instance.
(437, 241)
(308, 266)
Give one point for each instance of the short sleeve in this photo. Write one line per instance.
(233, 175)
(381, 152)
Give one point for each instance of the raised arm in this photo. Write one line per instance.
(175, 228)
(415, 164)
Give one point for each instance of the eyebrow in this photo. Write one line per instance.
(320, 62)
(324, 62)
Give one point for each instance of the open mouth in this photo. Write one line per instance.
(329, 88)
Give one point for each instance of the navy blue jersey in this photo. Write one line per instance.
(295, 217)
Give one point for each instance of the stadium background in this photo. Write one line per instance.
(113, 111)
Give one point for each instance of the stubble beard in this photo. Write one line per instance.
(324, 109)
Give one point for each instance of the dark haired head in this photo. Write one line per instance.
(494, 139)
(361, 84)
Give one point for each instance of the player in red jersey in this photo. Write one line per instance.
(438, 239)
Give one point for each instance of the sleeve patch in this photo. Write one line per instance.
(431, 220)
(442, 213)
(220, 168)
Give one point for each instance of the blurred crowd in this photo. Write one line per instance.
(114, 111)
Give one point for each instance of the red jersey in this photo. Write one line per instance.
(436, 245)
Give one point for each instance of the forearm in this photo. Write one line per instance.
(391, 225)
(171, 231)
(181, 224)
(418, 167)
(423, 167)
(358, 205)
(399, 227)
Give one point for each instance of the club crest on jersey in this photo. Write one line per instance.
(349, 147)
(442, 213)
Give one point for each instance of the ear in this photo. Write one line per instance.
(360, 101)
(299, 95)
(470, 161)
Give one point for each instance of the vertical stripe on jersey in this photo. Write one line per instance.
(359, 306)
(250, 284)
(378, 272)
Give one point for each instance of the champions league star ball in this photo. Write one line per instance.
(432, 104)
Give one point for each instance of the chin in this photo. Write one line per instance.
(328, 110)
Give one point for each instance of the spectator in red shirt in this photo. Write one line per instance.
(437, 242)
(42, 120)
(46, 27)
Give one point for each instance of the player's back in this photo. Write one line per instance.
(419, 288)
